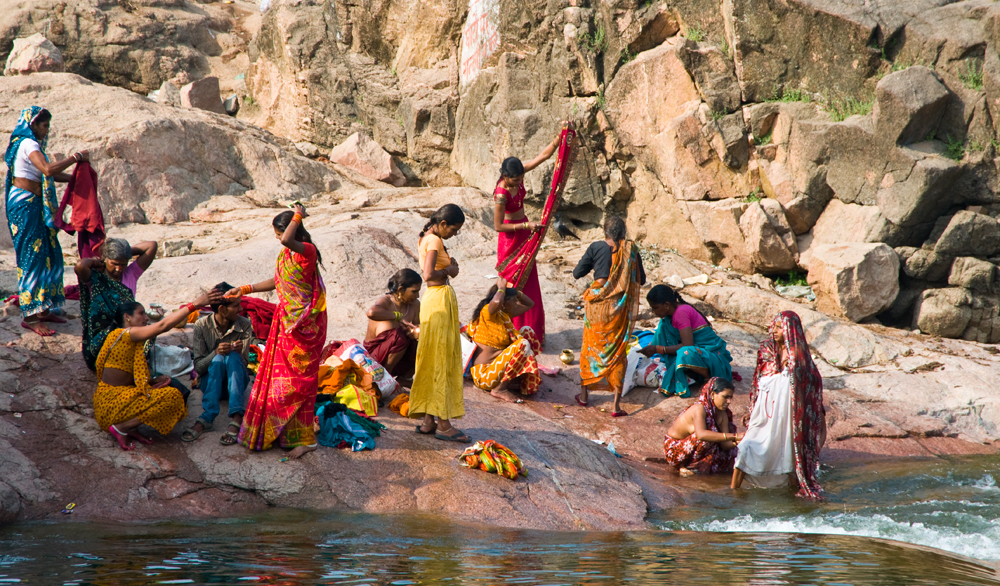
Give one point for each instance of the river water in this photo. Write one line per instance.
(757, 537)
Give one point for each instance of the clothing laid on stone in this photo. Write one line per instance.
(160, 408)
(282, 404)
(99, 299)
(699, 455)
(208, 336)
(86, 219)
(31, 221)
(610, 314)
(807, 413)
(766, 450)
(709, 350)
(517, 359)
(390, 342)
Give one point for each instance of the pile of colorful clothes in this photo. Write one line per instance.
(493, 457)
(340, 427)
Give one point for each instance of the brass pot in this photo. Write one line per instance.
(567, 356)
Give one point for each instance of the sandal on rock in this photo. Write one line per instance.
(123, 441)
(458, 436)
(420, 429)
(134, 434)
(619, 413)
(230, 438)
(190, 434)
(582, 403)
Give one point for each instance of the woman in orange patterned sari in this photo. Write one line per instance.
(504, 354)
(283, 400)
(611, 303)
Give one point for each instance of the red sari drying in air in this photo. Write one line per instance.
(283, 400)
(516, 250)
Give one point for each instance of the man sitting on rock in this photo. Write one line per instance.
(221, 342)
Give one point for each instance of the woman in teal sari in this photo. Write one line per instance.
(30, 198)
(686, 343)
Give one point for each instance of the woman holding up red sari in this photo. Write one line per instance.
(514, 229)
(283, 400)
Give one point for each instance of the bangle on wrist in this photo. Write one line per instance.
(246, 289)
(189, 307)
(297, 218)
(397, 316)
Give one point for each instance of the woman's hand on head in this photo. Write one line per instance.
(301, 210)
(83, 155)
(234, 293)
(212, 296)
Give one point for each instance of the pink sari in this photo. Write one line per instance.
(516, 251)
(283, 400)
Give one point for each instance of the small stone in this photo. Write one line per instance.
(203, 95)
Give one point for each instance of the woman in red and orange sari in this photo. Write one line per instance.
(611, 303)
(282, 403)
(515, 254)
(505, 355)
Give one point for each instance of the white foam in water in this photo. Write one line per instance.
(978, 544)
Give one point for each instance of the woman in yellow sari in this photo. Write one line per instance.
(437, 380)
(611, 303)
(504, 355)
(125, 395)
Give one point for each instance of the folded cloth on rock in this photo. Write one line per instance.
(350, 385)
(353, 350)
(260, 314)
(400, 404)
(493, 457)
(339, 425)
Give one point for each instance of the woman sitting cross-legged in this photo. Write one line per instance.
(125, 395)
(686, 343)
(694, 442)
(504, 355)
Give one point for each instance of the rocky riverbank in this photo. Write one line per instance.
(909, 395)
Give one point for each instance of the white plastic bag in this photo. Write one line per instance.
(380, 376)
(632, 360)
(172, 361)
(649, 372)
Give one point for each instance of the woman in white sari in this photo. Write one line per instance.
(787, 425)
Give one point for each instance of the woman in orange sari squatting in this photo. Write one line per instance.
(611, 303)
(504, 355)
(282, 404)
(513, 228)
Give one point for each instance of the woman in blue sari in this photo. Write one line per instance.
(686, 343)
(30, 198)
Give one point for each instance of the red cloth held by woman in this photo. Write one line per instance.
(86, 219)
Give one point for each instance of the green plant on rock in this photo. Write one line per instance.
(783, 94)
(717, 115)
(727, 52)
(601, 100)
(753, 197)
(843, 109)
(596, 41)
(695, 34)
(955, 149)
(792, 279)
(971, 74)
(766, 139)
(626, 56)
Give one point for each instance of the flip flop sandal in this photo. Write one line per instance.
(122, 439)
(45, 335)
(619, 414)
(230, 438)
(190, 434)
(582, 403)
(420, 430)
(458, 437)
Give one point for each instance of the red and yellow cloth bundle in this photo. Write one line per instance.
(493, 457)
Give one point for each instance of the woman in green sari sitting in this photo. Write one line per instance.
(686, 343)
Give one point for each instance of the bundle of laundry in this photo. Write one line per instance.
(339, 427)
(348, 384)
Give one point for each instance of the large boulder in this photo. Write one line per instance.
(793, 161)
(32, 55)
(944, 312)
(155, 163)
(203, 94)
(909, 105)
(137, 44)
(856, 281)
(972, 273)
(364, 155)
(924, 264)
(769, 239)
(969, 233)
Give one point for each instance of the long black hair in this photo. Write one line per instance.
(720, 384)
(404, 279)
(281, 222)
(507, 294)
(661, 294)
(449, 213)
(127, 308)
(511, 167)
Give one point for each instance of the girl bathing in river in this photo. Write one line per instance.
(703, 438)
(787, 422)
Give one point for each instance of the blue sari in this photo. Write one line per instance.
(709, 351)
(32, 226)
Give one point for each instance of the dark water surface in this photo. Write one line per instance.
(757, 538)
